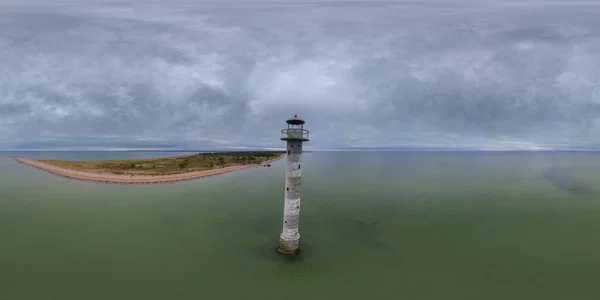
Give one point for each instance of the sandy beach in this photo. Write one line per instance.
(131, 179)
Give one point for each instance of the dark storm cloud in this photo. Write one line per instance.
(480, 75)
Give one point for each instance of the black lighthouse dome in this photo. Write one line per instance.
(295, 120)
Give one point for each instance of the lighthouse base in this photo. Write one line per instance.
(288, 252)
(288, 247)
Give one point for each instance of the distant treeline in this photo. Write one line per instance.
(244, 154)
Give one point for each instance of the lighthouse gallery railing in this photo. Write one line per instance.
(294, 134)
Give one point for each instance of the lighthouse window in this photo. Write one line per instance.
(287, 189)
(298, 167)
(288, 152)
(297, 206)
(285, 222)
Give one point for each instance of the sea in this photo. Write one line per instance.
(374, 225)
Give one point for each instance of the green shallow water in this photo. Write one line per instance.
(374, 225)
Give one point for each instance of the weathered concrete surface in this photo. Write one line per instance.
(290, 236)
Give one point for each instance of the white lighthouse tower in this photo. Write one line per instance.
(294, 135)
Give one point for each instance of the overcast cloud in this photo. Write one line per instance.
(159, 74)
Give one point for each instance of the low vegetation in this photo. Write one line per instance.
(168, 165)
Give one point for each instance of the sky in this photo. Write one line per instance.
(447, 74)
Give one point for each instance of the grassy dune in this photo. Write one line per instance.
(167, 165)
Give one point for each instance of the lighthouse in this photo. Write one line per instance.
(294, 135)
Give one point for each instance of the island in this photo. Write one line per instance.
(153, 170)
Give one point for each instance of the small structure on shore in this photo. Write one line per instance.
(294, 135)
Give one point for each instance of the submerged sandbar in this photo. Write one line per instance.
(153, 170)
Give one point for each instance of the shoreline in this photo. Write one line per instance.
(132, 179)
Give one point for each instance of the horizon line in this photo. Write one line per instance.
(308, 150)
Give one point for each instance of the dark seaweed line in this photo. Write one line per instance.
(561, 179)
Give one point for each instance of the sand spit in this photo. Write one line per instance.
(131, 179)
